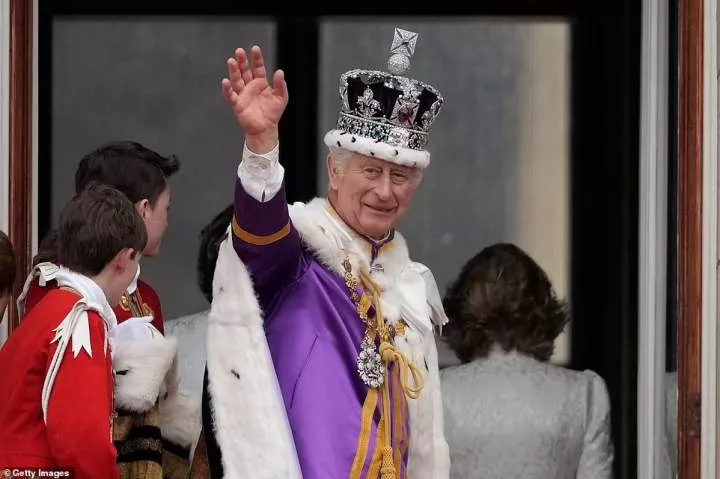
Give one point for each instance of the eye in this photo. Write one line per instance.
(372, 171)
(399, 177)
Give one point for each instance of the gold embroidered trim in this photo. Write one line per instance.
(368, 411)
(134, 304)
(257, 240)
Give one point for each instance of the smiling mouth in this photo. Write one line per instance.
(381, 210)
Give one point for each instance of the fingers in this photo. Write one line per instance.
(258, 70)
(239, 67)
(280, 85)
(241, 77)
(228, 90)
(244, 64)
(236, 79)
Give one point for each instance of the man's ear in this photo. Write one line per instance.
(143, 207)
(333, 173)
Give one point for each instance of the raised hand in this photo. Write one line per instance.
(258, 106)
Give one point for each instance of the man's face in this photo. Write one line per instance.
(372, 195)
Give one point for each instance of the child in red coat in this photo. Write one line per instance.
(56, 374)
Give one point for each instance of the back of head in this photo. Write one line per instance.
(210, 238)
(138, 172)
(8, 266)
(503, 297)
(47, 249)
(97, 224)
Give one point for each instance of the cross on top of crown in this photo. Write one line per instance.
(403, 43)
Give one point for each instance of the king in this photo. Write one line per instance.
(321, 355)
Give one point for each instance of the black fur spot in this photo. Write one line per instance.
(122, 373)
(353, 139)
(397, 153)
(235, 373)
(372, 153)
(339, 143)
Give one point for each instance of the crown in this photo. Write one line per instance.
(388, 108)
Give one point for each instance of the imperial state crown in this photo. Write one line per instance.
(385, 114)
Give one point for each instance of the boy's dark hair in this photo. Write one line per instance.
(210, 238)
(129, 167)
(8, 265)
(137, 171)
(95, 226)
(47, 249)
(503, 297)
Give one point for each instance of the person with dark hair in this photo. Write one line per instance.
(56, 371)
(8, 272)
(144, 177)
(210, 238)
(507, 409)
(157, 422)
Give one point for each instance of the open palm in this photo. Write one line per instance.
(258, 106)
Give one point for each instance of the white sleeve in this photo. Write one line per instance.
(441, 452)
(597, 456)
(261, 175)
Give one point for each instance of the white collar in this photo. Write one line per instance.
(91, 292)
(133, 286)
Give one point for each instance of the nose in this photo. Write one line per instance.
(383, 188)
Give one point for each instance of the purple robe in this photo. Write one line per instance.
(314, 334)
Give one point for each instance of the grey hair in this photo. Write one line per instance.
(341, 157)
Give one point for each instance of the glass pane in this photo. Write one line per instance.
(155, 80)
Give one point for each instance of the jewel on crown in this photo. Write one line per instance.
(401, 50)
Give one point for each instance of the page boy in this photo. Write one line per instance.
(56, 373)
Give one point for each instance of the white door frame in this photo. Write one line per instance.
(709, 357)
(652, 272)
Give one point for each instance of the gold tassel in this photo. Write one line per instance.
(389, 354)
(387, 471)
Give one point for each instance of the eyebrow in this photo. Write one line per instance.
(372, 162)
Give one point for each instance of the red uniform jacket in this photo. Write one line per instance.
(143, 302)
(78, 432)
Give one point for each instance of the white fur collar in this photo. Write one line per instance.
(408, 288)
(147, 370)
(141, 369)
